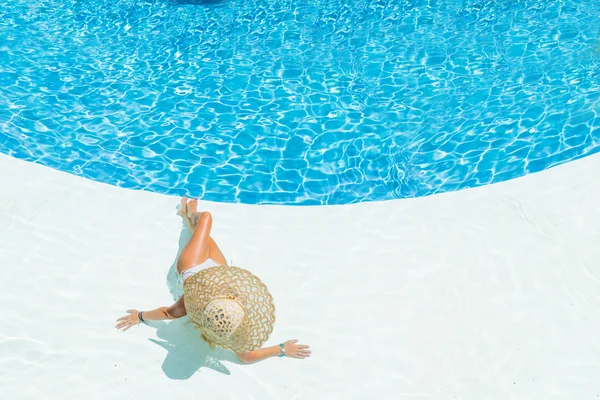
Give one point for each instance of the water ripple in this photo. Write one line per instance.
(312, 103)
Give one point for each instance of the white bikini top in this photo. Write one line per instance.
(195, 269)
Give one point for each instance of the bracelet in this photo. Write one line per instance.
(141, 317)
(282, 354)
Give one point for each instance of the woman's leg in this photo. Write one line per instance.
(213, 250)
(215, 253)
(201, 246)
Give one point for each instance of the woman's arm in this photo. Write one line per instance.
(177, 310)
(292, 350)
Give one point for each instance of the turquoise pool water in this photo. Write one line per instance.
(317, 102)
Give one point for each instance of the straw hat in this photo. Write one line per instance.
(231, 307)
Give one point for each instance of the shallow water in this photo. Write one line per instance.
(309, 103)
(489, 293)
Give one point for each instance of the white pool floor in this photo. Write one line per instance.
(486, 293)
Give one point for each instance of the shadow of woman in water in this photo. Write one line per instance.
(187, 352)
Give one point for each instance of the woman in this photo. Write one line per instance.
(230, 306)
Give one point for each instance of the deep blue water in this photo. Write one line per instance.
(315, 102)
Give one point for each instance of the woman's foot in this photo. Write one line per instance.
(183, 211)
(192, 208)
(183, 207)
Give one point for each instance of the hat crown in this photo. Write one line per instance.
(222, 317)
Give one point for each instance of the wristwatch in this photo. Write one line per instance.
(282, 354)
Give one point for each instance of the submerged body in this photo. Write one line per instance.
(199, 254)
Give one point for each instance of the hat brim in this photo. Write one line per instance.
(242, 286)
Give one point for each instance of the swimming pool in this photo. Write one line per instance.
(284, 103)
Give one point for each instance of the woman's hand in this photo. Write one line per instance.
(128, 321)
(294, 350)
